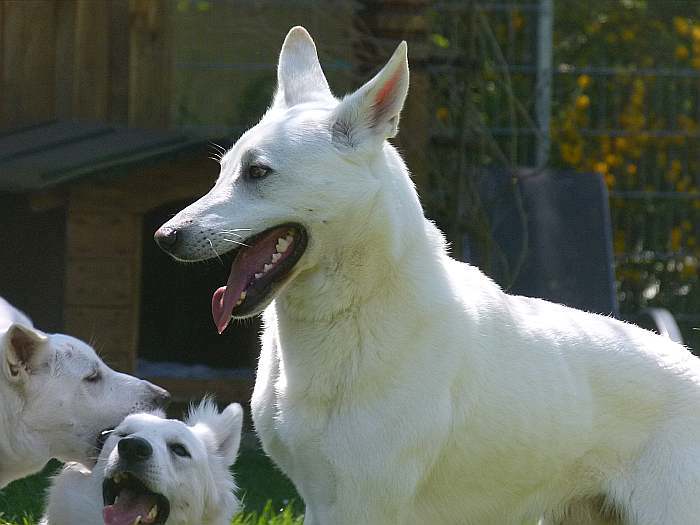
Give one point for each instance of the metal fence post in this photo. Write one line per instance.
(543, 100)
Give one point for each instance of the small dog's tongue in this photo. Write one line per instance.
(128, 508)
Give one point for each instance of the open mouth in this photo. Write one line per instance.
(128, 501)
(264, 260)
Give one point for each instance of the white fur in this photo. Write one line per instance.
(48, 408)
(399, 386)
(200, 489)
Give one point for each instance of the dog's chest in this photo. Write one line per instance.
(293, 431)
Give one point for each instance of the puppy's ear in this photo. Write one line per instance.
(222, 430)
(371, 114)
(24, 347)
(299, 74)
(228, 432)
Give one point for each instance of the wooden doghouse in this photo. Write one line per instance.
(79, 205)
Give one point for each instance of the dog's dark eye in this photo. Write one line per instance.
(93, 377)
(179, 450)
(257, 171)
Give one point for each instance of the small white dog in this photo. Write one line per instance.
(399, 386)
(156, 471)
(57, 397)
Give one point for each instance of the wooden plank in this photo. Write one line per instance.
(189, 390)
(91, 89)
(119, 61)
(28, 62)
(109, 233)
(150, 63)
(65, 53)
(108, 330)
(100, 281)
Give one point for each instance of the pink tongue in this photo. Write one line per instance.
(128, 507)
(249, 261)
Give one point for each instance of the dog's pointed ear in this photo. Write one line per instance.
(222, 430)
(23, 348)
(372, 112)
(299, 74)
(228, 432)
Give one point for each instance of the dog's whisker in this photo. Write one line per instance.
(235, 242)
(215, 252)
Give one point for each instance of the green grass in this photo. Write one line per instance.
(268, 496)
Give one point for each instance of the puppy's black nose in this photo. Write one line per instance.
(134, 449)
(166, 238)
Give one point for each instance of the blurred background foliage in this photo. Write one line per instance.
(625, 99)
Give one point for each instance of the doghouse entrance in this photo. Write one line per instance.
(177, 335)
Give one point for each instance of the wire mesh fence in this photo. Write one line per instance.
(625, 99)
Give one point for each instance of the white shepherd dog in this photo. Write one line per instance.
(57, 396)
(399, 386)
(156, 471)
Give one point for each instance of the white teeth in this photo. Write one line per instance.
(243, 296)
(282, 244)
(276, 257)
(267, 268)
(258, 275)
(152, 513)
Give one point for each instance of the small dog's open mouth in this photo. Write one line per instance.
(264, 260)
(128, 501)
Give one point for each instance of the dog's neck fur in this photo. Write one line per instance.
(384, 268)
(18, 442)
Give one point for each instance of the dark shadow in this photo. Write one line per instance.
(176, 324)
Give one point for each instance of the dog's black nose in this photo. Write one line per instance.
(166, 238)
(134, 449)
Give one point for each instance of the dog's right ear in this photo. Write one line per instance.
(299, 74)
(23, 348)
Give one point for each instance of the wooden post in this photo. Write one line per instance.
(150, 63)
(27, 75)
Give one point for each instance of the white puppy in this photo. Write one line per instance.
(399, 386)
(156, 471)
(57, 397)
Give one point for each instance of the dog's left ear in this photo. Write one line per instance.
(371, 114)
(228, 429)
(222, 431)
(23, 347)
(299, 74)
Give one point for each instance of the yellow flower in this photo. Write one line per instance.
(442, 113)
(676, 236)
(583, 81)
(518, 21)
(613, 160)
(682, 52)
(696, 32)
(620, 143)
(687, 225)
(627, 35)
(610, 180)
(695, 62)
(681, 25)
(582, 102)
(632, 169)
(600, 167)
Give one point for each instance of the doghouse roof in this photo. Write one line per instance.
(59, 151)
